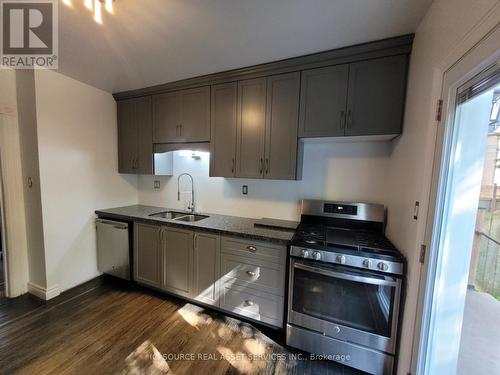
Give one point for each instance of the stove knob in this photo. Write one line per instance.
(317, 255)
(367, 263)
(304, 253)
(341, 259)
(382, 266)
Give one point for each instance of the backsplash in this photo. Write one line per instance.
(335, 171)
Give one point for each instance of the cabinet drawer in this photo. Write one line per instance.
(269, 277)
(265, 251)
(262, 306)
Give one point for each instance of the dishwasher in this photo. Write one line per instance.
(113, 248)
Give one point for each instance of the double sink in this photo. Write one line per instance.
(179, 216)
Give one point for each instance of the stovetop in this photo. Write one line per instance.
(361, 242)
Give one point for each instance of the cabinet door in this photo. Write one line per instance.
(167, 110)
(223, 121)
(127, 136)
(195, 122)
(178, 261)
(147, 253)
(281, 126)
(323, 101)
(251, 128)
(376, 96)
(144, 123)
(206, 268)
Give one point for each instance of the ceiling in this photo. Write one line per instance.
(149, 42)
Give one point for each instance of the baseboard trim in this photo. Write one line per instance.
(43, 293)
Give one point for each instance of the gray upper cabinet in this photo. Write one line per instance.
(223, 121)
(177, 261)
(182, 116)
(167, 114)
(135, 147)
(251, 125)
(282, 117)
(376, 96)
(195, 124)
(206, 268)
(147, 254)
(323, 101)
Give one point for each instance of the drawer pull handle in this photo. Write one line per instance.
(251, 273)
(252, 249)
(249, 303)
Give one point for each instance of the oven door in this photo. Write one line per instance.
(351, 305)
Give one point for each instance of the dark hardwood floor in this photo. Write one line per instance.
(105, 327)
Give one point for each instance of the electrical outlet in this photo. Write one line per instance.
(244, 190)
(156, 184)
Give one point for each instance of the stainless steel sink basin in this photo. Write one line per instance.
(179, 216)
(169, 214)
(191, 218)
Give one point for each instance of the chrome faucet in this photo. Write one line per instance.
(191, 204)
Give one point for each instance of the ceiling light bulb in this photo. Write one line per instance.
(89, 4)
(108, 5)
(67, 2)
(97, 11)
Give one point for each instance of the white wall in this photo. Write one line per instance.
(77, 136)
(446, 24)
(337, 171)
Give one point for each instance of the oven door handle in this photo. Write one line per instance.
(345, 276)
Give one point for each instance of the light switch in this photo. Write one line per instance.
(244, 190)
(156, 184)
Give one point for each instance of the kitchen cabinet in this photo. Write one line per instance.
(206, 268)
(147, 254)
(177, 261)
(376, 96)
(282, 114)
(223, 137)
(264, 113)
(135, 146)
(323, 101)
(182, 116)
(251, 128)
(363, 98)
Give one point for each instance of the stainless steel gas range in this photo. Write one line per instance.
(345, 285)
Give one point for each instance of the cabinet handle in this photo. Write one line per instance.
(196, 241)
(160, 234)
(261, 165)
(232, 166)
(252, 249)
(349, 119)
(251, 273)
(249, 302)
(267, 165)
(177, 130)
(180, 130)
(342, 119)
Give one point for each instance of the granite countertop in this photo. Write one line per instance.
(224, 224)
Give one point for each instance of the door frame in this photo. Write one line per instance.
(473, 61)
(3, 230)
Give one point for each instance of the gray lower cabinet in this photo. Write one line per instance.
(147, 254)
(223, 121)
(135, 146)
(177, 261)
(182, 116)
(323, 101)
(376, 96)
(238, 275)
(252, 281)
(206, 268)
